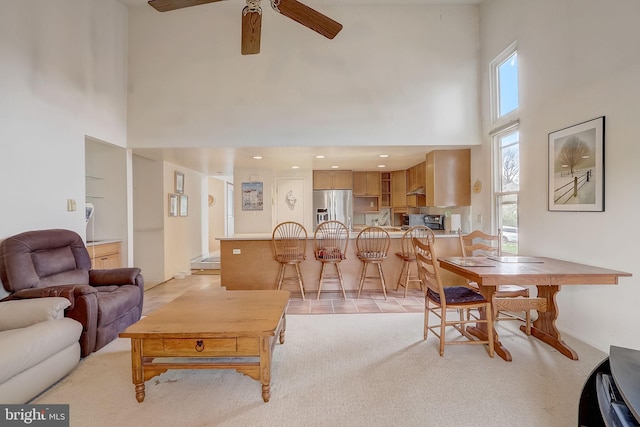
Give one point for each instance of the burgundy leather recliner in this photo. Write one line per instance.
(46, 263)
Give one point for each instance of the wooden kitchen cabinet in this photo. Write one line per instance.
(416, 180)
(385, 189)
(366, 184)
(399, 189)
(366, 192)
(105, 256)
(448, 178)
(332, 180)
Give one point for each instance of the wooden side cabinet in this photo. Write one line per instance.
(105, 256)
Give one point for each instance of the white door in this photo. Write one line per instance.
(290, 200)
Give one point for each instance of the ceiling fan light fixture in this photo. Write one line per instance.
(252, 6)
(251, 27)
(252, 18)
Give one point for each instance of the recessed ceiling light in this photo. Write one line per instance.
(383, 156)
(319, 156)
(257, 157)
(335, 167)
(382, 166)
(295, 167)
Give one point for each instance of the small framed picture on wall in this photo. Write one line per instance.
(173, 204)
(184, 205)
(179, 181)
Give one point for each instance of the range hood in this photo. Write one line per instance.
(417, 192)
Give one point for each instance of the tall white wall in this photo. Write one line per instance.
(150, 201)
(578, 60)
(63, 78)
(394, 75)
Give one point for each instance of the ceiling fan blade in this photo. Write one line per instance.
(251, 27)
(308, 17)
(167, 5)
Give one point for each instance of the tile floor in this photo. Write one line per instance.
(330, 302)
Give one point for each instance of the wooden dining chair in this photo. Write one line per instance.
(408, 257)
(440, 299)
(330, 242)
(289, 243)
(372, 248)
(508, 299)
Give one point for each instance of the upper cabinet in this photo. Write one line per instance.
(399, 189)
(366, 192)
(366, 184)
(416, 180)
(448, 178)
(332, 180)
(385, 189)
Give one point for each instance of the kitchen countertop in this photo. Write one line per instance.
(352, 235)
(101, 242)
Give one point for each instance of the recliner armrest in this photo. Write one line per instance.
(69, 292)
(115, 276)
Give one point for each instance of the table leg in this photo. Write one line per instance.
(265, 368)
(480, 329)
(136, 368)
(544, 328)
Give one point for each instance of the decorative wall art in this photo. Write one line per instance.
(576, 167)
(291, 200)
(179, 181)
(184, 205)
(252, 196)
(173, 204)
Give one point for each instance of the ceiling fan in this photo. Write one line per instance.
(252, 18)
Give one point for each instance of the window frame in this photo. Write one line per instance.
(496, 168)
(494, 86)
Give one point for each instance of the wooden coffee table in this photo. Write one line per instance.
(209, 329)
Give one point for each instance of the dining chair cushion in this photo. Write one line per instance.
(456, 295)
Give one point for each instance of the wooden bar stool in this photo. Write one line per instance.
(372, 247)
(330, 242)
(289, 242)
(408, 257)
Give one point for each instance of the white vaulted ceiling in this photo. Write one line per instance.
(380, 113)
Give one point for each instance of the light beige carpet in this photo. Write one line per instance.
(344, 370)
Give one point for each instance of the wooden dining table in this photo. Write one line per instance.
(547, 274)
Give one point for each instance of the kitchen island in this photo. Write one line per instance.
(247, 263)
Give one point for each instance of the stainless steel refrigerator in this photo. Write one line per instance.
(333, 205)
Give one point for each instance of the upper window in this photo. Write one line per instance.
(504, 71)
